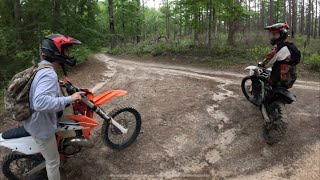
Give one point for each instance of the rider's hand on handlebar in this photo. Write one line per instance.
(77, 96)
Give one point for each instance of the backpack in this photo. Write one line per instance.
(286, 70)
(295, 53)
(16, 94)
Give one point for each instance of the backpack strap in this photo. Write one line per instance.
(41, 66)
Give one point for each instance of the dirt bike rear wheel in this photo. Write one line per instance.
(246, 87)
(278, 128)
(130, 119)
(16, 164)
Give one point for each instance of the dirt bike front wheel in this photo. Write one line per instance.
(130, 119)
(278, 127)
(16, 164)
(247, 88)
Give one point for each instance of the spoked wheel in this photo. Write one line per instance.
(16, 164)
(247, 88)
(275, 131)
(130, 119)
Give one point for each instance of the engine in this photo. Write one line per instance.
(72, 146)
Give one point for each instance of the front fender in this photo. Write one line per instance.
(251, 69)
(106, 96)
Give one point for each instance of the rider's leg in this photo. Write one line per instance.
(49, 150)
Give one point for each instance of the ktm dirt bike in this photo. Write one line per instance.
(120, 128)
(273, 103)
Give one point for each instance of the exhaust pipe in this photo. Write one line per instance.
(79, 141)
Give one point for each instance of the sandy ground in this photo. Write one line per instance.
(196, 124)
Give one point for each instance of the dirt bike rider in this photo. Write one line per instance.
(45, 101)
(283, 72)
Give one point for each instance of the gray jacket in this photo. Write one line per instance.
(45, 101)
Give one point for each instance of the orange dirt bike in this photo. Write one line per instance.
(120, 129)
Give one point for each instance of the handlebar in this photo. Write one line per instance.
(70, 88)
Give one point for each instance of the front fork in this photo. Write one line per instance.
(103, 115)
(265, 116)
(263, 108)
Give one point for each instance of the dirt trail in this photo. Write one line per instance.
(196, 125)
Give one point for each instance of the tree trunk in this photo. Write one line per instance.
(316, 22)
(56, 16)
(111, 25)
(196, 19)
(17, 22)
(232, 32)
(312, 19)
(290, 14)
(180, 20)
(271, 12)
(294, 18)
(138, 24)
(210, 25)
(249, 18)
(284, 11)
(144, 18)
(262, 13)
(309, 23)
(216, 22)
(256, 9)
(167, 21)
(302, 18)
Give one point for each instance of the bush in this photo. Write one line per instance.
(81, 53)
(314, 62)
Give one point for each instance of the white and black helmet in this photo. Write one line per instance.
(283, 30)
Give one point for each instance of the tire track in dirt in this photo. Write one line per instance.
(233, 78)
(212, 156)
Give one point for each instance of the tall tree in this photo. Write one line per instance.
(312, 19)
(56, 14)
(111, 25)
(138, 22)
(210, 8)
(196, 25)
(315, 23)
(271, 12)
(17, 20)
(309, 22)
(284, 11)
(294, 18)
(262, 14)
(290, 14)
(167, 19)
(302, 18)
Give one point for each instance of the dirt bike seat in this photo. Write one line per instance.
(15, 133)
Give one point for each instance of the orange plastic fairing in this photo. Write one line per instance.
(85, 122)
(106, 96)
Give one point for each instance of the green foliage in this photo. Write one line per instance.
(233, 11)
(81, 53)
(314, 62)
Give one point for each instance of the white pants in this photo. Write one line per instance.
(49, 150)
